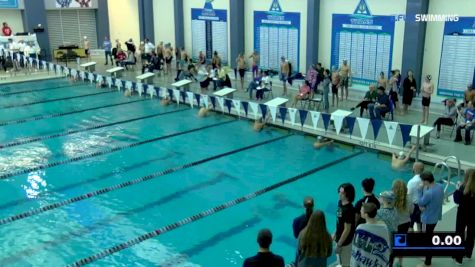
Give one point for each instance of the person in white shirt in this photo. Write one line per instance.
(148, 48)
(412, 189)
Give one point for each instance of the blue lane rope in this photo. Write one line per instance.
(28, 140)
(104, 190)
(203, 214)
(38, 90)
(60, 114)
(54, 100)
(106, 151)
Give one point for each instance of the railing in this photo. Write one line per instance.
(448, 182)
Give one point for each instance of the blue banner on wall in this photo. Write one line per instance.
(277, 34)
(209, 31)
(8, 3)
(365, 41)
(457, 62)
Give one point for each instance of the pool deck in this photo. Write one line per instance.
(436, 151)
(439, 148)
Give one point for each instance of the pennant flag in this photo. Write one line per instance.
(263, 108)
(128, 85)
(190, 97)
(350, 122)
(391, 128)
(43, 63)
(245, 105)
(283, 113)
(273, 112)
(376, 127)
(338, 120)
(213, 101)
(363, 124)
(406, 133)
(118, 83)
(176, 94)
(326, 120)
(151, 90)
(58, 69)
(183, 96)
(170, 93)
(66, 71)
(99, 78)
(109, 81)
(292, 112)
(220, 102)
(228, 103)
(255, 109)
(198, 99)
(315, 118)
(237, 106)
(303, 115)
(206, 100)
(139, 88)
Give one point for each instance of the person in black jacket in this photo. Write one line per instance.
(464, 196)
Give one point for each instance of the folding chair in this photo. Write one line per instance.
(268, 92)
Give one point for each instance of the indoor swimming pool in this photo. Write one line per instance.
(84, 169)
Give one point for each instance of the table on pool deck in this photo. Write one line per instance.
(116, 72)
(424, 133)
(89, 66)
(147, 77)
(226, 92)
(277, 102)
(181, 83)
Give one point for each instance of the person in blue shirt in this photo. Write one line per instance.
(107, 46)
(381, 107)
(301, 221)
(431, 199)
(468, 125)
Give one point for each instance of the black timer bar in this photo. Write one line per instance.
(423, 244)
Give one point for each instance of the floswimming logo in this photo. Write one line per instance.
(427, 17)
(436, 17)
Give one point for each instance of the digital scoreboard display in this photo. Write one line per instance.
(425, 244)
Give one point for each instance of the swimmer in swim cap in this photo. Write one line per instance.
(399, 160)
(321, 142)
(203, 112)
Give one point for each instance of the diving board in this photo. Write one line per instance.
(116, 72)
(148, 77)
(89, 66)
(226, 92)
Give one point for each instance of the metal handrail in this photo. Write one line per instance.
(449, 172)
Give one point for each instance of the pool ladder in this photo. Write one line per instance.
(443, 164)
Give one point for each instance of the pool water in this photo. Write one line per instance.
(198, 163)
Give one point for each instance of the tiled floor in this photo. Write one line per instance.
(444, 146)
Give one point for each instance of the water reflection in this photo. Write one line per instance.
(35, 184)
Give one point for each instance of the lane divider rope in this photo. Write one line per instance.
(151, 176)
(106, 151)
(27, 140)
(38, 90)
(54, 100)
(60, 114)
(203, 214)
